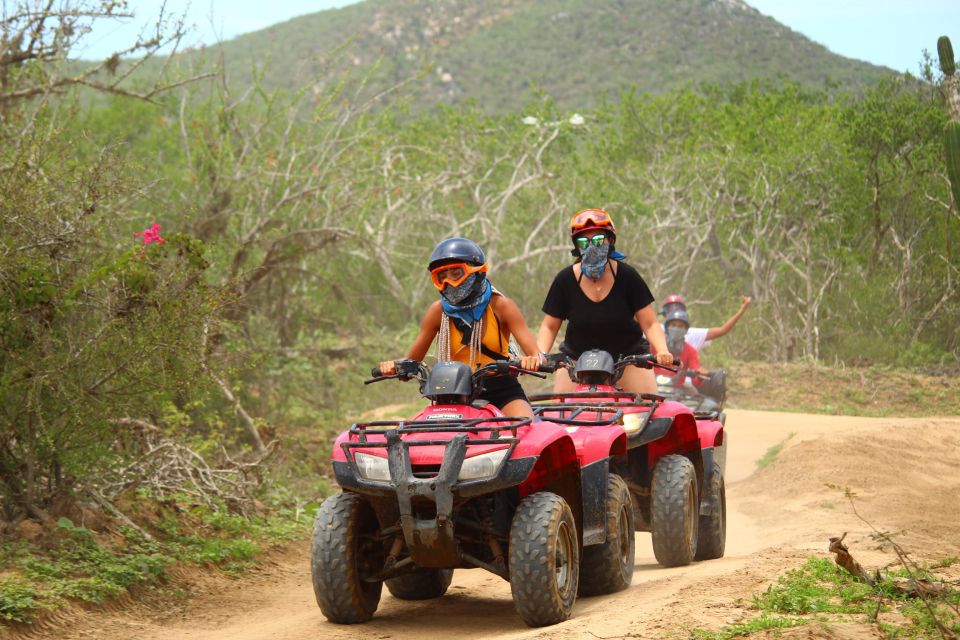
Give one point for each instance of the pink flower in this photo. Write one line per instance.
(150, 235)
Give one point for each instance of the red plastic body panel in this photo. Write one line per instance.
(687, 433)
(683, 436)
(711, 433)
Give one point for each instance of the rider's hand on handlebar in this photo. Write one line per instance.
(388, 368)
(530, 363)
(665, 358)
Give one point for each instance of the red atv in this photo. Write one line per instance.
(463, 486)
(672, 459)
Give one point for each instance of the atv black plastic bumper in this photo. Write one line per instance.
(430, 541)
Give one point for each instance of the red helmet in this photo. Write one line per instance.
(673, 303)
(592, 220)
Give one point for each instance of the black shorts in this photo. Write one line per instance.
(640, 347)
(502, 390)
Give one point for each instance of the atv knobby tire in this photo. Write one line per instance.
(422, 584)
(713, 525)
(674, 511)
(337, 559)
(544, 559)
(608, 567)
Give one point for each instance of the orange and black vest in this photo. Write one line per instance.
(493, 346)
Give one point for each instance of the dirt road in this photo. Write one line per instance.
(905, 472)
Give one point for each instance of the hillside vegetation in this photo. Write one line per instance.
(193, 287)
(579, 52)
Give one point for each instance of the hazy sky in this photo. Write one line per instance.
(892, 33)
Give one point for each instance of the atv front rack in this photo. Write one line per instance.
(602, 405)
(638, 399)
(361, 430)
(606, 414)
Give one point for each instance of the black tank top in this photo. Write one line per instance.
(608, 324)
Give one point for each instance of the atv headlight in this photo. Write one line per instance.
(662, 379)
(372, 467)
(632, 422)
(482, 466)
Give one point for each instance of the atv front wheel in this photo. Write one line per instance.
(422, 584)
(544, 559)
(344, 557)
(713, 525)
(674, 510)
(608, 567)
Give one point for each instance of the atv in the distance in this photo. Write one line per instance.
(672, 459)
(708, 396)
(460, 485)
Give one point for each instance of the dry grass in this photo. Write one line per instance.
(870, 391)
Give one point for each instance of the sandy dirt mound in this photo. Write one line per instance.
(904, 472)
(904, 476)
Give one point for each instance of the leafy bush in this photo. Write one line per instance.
(18, 600)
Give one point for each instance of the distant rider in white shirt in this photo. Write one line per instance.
(700, 337)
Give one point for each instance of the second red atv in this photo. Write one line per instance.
(671, 459)
(460, 485)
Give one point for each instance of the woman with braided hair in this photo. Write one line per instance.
(473, 323)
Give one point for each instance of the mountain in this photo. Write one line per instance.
(578, 51)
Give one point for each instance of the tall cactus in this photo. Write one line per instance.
(951, 132)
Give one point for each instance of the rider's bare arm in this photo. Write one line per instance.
(718, 332)
(547, 334)
(512, 319)
(647, 318)
(429, 327)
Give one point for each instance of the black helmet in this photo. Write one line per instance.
(677, 314)
(449, 381)
(457, 250)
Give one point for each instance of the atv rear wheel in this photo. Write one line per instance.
(674, 511)
(713, 525)
(608, 567)
(544, 559)
(344, 557)
(422, 584)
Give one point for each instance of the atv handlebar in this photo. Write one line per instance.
(510, 367)
(644, 361)
(407, 369)
(648, 361)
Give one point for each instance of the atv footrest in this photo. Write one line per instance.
(706, 415)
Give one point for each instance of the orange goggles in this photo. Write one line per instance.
(454, 274)
(590, 218)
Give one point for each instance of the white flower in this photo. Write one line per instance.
(531, 120)
(576, 120)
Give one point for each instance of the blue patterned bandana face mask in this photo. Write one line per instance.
(456, 295)
(593, 260)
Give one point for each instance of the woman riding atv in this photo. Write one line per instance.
(474, 322)
(606, 304)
